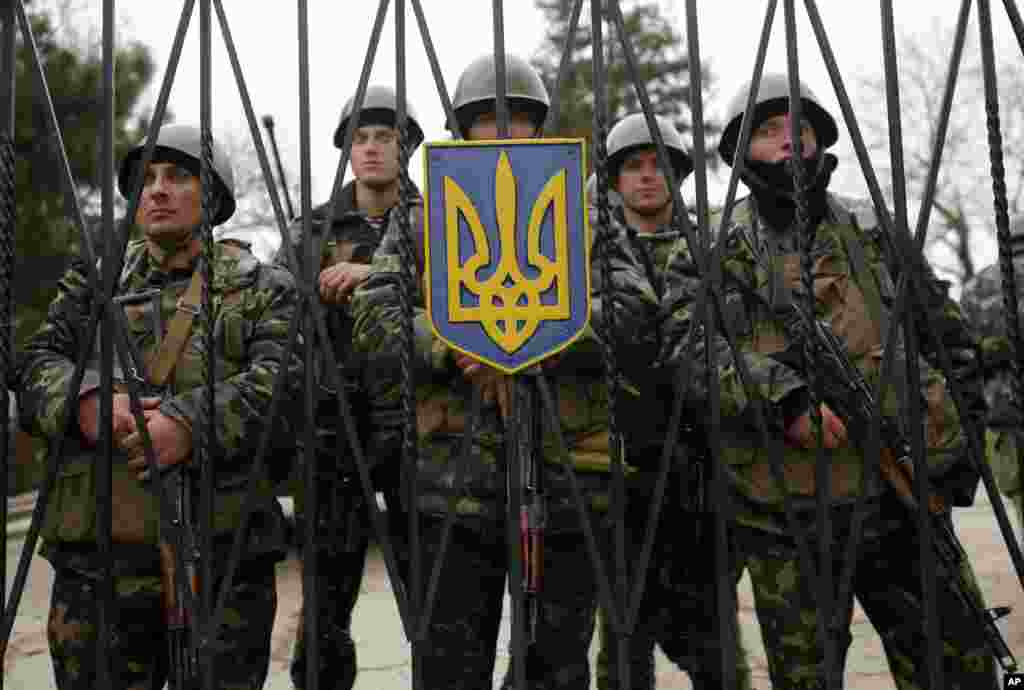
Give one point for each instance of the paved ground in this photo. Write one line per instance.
(384, 654)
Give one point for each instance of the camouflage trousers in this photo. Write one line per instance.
(139, 656)
(339, 575)
(460, 649)
(886, 582)
(342, 537)
(679, 607)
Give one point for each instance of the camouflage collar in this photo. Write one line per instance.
(840, 209)
(347, 209)
(234, 268)
(665, 232)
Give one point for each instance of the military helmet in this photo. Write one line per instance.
(631, 133)
(178, 140)
(380, 104)
(477, 90)
(774, 93)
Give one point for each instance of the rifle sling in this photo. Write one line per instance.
(161, 365)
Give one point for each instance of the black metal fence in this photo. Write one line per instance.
(620, 587)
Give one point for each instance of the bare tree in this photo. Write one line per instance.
(962, 220)
(254, 220)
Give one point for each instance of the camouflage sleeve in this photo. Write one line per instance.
(376, 308)
(242, 401)
(684, 345)
(47, 362)
(630, 310)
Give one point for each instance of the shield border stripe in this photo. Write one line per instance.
(588, 244)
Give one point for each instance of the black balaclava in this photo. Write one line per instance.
(772, 184)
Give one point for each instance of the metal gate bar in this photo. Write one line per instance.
(55, 458)
(8, 219)
(622, 602)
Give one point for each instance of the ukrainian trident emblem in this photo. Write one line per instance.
(507, 250)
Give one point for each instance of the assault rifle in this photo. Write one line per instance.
(532, 519)
(532, 509)
(851, 397)
(178, 542)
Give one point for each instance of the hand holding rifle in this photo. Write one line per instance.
(847, 392)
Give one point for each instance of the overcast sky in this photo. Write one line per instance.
(266, 37)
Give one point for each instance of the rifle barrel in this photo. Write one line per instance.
(268, 124)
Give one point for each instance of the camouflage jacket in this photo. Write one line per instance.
(982, 301)
(254, 304)
(352, 237)
(443, 394)
(854, 273)
(644, 406)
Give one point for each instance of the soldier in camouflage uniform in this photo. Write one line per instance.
(254, 304)
(342, 532)
(678, 610)
(982, 301)
(462, 637)
(854, 269)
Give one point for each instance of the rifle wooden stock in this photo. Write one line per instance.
(900, 477)
(174, 615)
(849, 394)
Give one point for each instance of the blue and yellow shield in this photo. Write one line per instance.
(508, 248)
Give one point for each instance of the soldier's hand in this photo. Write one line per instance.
(802, 434)
(338, 282)
(122, 422)
(493, 384)
(172, 442)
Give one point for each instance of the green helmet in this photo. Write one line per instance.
(380, 106)
(184, 140)
(631, 133)
(773, 97)
(477, 90)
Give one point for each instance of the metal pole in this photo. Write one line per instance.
(725, 586)
(8, 56)
(805, 235)
(207, 432)
(415, 583)
(501, 91)
(268, 122)
(520, 415)
(564, 66)
(913, 373)
(1011, 306)
(621, 624)
(104, 475)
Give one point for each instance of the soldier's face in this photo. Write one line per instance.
(375, 155)
(642, 184)
(171, 203)
(771, 141)
(485, 126)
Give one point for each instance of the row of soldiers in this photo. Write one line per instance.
(652, 320)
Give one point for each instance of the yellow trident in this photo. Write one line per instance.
(510, 307)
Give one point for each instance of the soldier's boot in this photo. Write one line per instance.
(641, 661)
(540, 675)
(337, 660)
